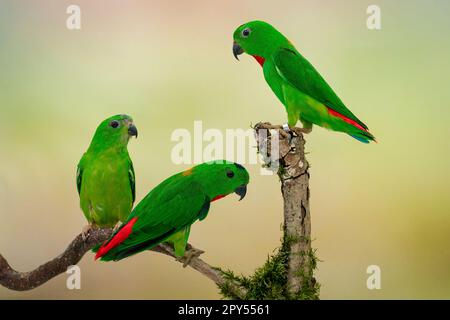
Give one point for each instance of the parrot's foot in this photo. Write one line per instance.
(285, 130)
(298, 131)
(85, 231)
(190, 254)
(282, 130)
(117, 226)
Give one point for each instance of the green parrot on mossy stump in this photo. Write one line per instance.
(105, 174)
(168, 211)
(297, 84)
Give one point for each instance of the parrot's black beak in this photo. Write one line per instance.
(132, 131)
(237, 50)
(241, 191)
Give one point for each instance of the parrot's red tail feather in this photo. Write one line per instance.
(348, 120)
(120, 236)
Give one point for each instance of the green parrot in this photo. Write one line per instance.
(105, 174)
(168, 211)
(297, 84)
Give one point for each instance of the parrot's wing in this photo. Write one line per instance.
(158, 216)
(297, 71)
(80, 170)
(79, 179)
(80, 175)
(132, 179)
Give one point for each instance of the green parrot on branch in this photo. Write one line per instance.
(105, 174)
(297, 84)
(168, 211)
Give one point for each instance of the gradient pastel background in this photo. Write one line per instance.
(168, 63)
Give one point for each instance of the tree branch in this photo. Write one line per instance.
(293, 171)
(22, 281)
(286, 155)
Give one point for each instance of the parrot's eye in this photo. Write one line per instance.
(246, 32)
(230, 174)
(114, 124)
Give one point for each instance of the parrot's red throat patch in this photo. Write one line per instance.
(260, 60)
(348, 120)
(123, 233)
(218, 197)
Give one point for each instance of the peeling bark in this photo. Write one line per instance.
(293, 171)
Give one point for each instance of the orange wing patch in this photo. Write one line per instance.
(188, 172)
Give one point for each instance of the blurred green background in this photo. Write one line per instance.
(168, 63)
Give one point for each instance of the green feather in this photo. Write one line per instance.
(297, 84)
(168, 211)
(298, 72)
(105, 175)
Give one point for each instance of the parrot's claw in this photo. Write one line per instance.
(285, 134)
(282, 129)
(189, 255)
(286, 131)
(85, 231)
(117, 226)
(298, 131)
